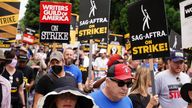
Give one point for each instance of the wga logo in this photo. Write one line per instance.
(93, 8)
(188, 10)
(146, 18)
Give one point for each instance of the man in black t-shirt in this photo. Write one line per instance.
(27, 71)
(28, 74)
(54, 79)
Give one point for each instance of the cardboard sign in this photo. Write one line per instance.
(101, 43)
(116, 39)
(27, 38)
(9, 15)
(175, 41)
(186, 25)
(148, 29)
(94, 19)
(74, 21)
(114, 49)
(55, 18)
(127, 41)
(55, 12)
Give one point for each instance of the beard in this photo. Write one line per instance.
(68, 61)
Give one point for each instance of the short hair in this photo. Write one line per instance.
(9, 54)
(68, 48)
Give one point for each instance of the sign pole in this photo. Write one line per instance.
(78, 55)
(90, 59)
(54, 46)
(152, 76)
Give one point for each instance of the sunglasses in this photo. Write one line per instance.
(122, 83)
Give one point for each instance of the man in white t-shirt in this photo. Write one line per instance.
(169, 82)
(100, 65)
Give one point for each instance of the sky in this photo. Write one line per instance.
(22, 8)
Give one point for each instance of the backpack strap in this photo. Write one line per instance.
(51, 76)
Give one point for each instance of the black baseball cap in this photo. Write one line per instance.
(177, 56)
(22, 58)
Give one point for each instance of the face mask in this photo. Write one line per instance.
(56, 69)
(13, 63)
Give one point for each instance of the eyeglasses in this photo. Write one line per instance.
(121, 83)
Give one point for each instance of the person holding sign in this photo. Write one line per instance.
(169, 82)
(72, 69)
(139, 92)
(100, 65)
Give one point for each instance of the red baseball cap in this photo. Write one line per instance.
(114, 58)
(120, 72)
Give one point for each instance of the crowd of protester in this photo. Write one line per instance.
(36, 76)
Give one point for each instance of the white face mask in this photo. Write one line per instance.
(13, 63)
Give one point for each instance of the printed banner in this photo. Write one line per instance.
(55, 18)
(148, 29)
(116, 39)
(27, 38)
(9, 19)
(175, 41)
(85, 48)
(9, 14)
(186, 25)
(73, 28)
(30, 31)
(94, 19)
(55, 12)
(101, 43)
(5, 45)
(114, 49)
(74, 21)
(127, 42)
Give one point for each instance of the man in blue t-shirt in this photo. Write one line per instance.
(69, 67)
(114, 94)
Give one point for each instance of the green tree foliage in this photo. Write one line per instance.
(173, 14)
(118, 16)
(31, 18)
